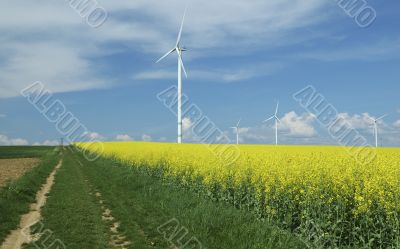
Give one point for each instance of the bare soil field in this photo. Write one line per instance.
(12, 169)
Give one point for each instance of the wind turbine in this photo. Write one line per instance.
(179, 50)
(375, 120)
(236, 128)
(277, 120)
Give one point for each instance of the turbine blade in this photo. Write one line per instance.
(180, 31)
(382, 117)
(278, 119)
(181, 61)
(373, 120)
(168, 53)
(277, 107)
(269, 119)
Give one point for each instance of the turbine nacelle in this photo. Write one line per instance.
(375, 120)
(178, 48)
(275, 116)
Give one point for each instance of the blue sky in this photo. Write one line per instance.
(241, 58)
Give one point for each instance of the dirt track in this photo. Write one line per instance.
(22, 235)
(12, 169)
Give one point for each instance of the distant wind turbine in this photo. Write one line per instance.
(236, 128)
(375, 124)
(179, 50)
(277, 120)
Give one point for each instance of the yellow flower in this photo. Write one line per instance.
(287, 177)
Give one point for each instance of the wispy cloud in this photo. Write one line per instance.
(67, 61)
(379, 50)
(226, 75)
(156, 74)
(215, 24)
(60, 67)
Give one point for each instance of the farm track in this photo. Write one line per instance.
(117, 239)
(21, 235)
(125, 228)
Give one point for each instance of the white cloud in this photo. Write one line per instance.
(298, 125)
(357, 121)
(123, 137)
(256, 134)
(292, 126)
(187, 132)
(364, 122)
(95, 136)
(299, 129)
(146, 138)
(3, 115)
(186, 124)
(388, 132)
(5, 140)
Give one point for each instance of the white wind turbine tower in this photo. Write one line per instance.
(375, 120)
(179, 49)
(277, 120)
(236, 128)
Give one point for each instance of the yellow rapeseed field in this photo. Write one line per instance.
(321, 192)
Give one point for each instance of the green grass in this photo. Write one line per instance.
(23, 151)
(143, 203)
(16, 197)
(71, 213)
